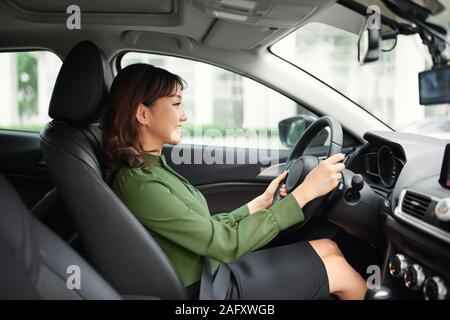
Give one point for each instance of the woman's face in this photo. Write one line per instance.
(161, 123)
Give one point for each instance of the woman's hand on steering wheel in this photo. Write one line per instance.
(321, 180)
(264, 201)
(272, 188)
(283, 191)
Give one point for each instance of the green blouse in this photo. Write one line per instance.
(177, 216)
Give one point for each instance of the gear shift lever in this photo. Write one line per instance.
(381, 293)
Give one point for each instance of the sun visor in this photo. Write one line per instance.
(268, 13)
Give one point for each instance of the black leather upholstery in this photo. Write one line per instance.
(116, 243)
(35, 261)
(81, 85)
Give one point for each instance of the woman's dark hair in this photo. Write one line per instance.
(135, 84)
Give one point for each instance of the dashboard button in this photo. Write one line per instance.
(442, 210)
(398, 265)
(435, 289)
(414, 277)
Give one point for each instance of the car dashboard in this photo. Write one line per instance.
(381, 163)
(404, 169)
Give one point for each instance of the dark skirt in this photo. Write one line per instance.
(289, 272)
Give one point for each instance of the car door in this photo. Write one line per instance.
(27, 79)
(26, 83)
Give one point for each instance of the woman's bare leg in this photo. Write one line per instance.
(343, 280)
(326, 247)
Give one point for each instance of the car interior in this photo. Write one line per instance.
(391, 211)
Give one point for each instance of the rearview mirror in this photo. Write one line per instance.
(369, 40)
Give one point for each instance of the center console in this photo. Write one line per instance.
(417, 262)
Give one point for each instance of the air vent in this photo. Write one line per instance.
(415, 204)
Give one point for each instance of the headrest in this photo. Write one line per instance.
(81, 86)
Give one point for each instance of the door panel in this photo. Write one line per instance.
(22, 164)
(225, 197)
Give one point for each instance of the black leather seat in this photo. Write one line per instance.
(35, 262)
(117, 245)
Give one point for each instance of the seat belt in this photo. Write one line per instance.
(217, 289)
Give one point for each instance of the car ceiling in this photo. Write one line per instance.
(25, 22)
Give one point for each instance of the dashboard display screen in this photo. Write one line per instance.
(434, 86)
(444, 180)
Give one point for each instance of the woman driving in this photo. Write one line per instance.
(144, 113)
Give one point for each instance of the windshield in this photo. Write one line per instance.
(387, 88)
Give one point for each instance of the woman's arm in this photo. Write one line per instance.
(161, 211)
(156, 207)
(261, 202)
(265, 200)
(318, 182)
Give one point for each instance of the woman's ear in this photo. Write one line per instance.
(143, 115)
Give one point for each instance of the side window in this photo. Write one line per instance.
(26, 83)
(225, 108)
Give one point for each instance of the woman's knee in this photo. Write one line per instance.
(333, 247)
(341, 276)
(326, 247)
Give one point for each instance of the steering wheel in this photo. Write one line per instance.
(299, 165)
(356, 206)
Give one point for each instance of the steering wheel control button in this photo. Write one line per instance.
(414, 277)
(442, 210)
(398, 265)
(435, 289)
